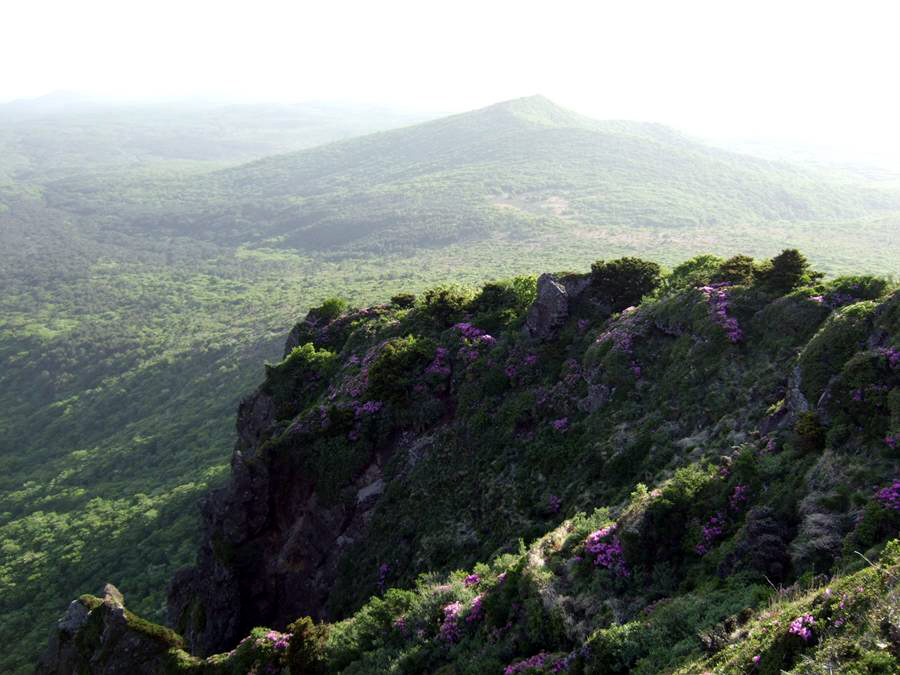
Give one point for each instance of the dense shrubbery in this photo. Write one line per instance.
(698, 271)
(399, 364)
(622, 283)
(739, 269)
(446, 304)
(330, 309)
(295, 381)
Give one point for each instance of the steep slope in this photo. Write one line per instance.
(667, 464)
(520, 170)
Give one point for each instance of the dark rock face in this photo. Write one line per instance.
(270, 547)
(256, 414)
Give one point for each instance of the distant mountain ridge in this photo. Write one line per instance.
(521, 169)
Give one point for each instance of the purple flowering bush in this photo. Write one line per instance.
(717, 298)
(605, 549)
(613, 353)
(865, 395)
(802, 627)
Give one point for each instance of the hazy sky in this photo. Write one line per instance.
(822, 72)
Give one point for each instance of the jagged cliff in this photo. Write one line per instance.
(725, 436)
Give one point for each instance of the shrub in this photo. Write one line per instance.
(403, 300)
(400, 360)
(445, 305)
(616, 649)
(698, 271)
(331, 308)
(842, 335)
(622, 283)
(738, 269)
(785, 272)
(294, 382)
(306, 651)
(860, 287)
(499, 303)
(810, 436)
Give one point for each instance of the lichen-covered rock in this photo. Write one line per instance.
(551, 306)
(99, 635)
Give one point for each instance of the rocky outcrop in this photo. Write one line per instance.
(551, 307)
(794, 397)
(98, 635)
(271, 544)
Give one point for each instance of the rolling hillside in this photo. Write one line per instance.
(521, 170)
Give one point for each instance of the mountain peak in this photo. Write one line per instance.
(541, 111)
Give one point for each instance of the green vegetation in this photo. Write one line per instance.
(623, 282)
(148, 273)
(625, 497)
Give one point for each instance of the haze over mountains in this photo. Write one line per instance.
(151, 258)
(518, 169)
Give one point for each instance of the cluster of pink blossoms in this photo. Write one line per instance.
(717, 297)
(892, 354)
(890, 496)
(801, 626)
(606, 548)
(621, 334)
(439, 366)
(553, 503)
(367, 408)
(449, 631)
(278, 640)
(710, 533)
(531, 663)
(477, 610)
(474, 333)
(512, 369)
(738, 497)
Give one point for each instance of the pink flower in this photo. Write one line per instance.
(477, 609)
(607, 550)
(801, 626)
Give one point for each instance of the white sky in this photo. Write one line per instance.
(820, 72)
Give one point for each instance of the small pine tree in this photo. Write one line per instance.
(785, 272)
